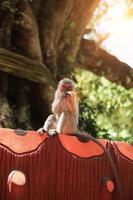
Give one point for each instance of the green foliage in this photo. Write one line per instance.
(106, 109)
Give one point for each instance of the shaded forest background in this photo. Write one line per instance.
(42, 42)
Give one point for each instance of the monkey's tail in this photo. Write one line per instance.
(89, 137)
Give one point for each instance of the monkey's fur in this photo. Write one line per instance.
(65, 110)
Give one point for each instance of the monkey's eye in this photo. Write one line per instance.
(67, 85)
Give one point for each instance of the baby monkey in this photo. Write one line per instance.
(65, 110)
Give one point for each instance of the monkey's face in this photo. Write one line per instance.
(66, 85)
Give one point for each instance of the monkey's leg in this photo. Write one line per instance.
(50, 123)
(61, 122)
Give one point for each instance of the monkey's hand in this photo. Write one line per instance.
(40, 131)
(52, 132)
(70, 93)
(71, 102)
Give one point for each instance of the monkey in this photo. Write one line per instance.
(65, 107)
(65, 110)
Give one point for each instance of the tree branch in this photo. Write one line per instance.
(97, 60)
(23, 67)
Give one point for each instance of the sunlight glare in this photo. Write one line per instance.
(119, 28)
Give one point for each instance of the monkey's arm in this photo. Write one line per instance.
(56, 107)
(72, 103)
(61, 122)
(61, 101)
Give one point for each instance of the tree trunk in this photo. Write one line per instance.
(6, 21)
(71, 36)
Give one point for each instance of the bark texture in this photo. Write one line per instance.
(97, 60)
